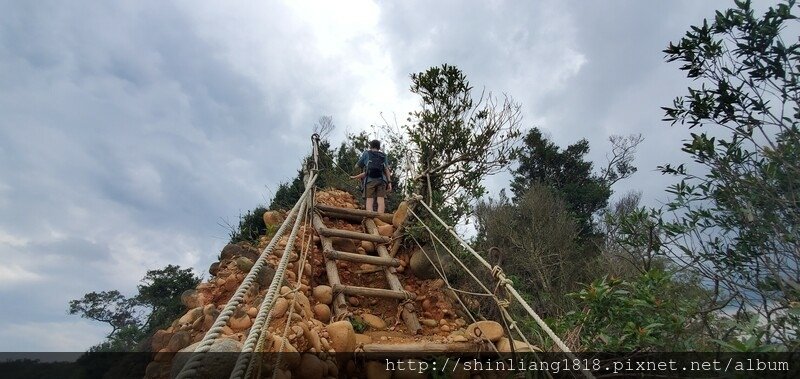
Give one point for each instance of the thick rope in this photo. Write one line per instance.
(561, 345)
(194, 362)
(296, 290)
(267, 303)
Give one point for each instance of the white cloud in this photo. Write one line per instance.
(12, 274)
(66, 336)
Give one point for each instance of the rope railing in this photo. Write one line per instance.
(195, 360)
(506, 283)
(264, 312)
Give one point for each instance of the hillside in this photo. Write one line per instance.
(369, 323)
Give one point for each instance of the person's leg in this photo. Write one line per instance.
(380, 191)
(370, 193)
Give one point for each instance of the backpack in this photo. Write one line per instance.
(375, 164)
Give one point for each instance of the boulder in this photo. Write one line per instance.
(377, 370)
(490, 330)
(240, 320)
(280, 307)
(368, 247)
(310, 367)
(243, 264)
(373, 321)
(322, 312)
(362, 339)
(421, 266)
(342, 336)
(179, 340)
(410, 374)
(504, 346)
(273, 218)
(191, 315)
(323, 294)
(192, 298)
(386, 230)
(216, 365)
(429, 322)
(213, 269)
(230, 251)
(265, 276)
(344, 244)
(400, 214)
(289, 352)
(160, 340)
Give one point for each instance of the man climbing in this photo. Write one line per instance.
(376, 176)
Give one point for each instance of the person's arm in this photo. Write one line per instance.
(359, 176)
(388, 178)
(362, 161)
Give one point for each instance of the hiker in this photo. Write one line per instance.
(376, 176)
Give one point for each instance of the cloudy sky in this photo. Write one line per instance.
(130, 130)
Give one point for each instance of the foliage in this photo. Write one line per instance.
(251, 225)
(736, 210)
(648, 314)
(537, 240)
(454, 141)
(632, 238)
(110, 307)
(567, 172)
(160, 292)
(335, 167)
(133, 319)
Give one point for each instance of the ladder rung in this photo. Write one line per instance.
(331, 232)
(362, 258)
(385, 217)
(373, 292)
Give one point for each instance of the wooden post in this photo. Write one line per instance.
(409, 317)
(397, 236)
(339, 305)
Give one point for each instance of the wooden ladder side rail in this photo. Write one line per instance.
(408, 315)
(385, 217)
(331, 232)
(339, 304)
(362, 258)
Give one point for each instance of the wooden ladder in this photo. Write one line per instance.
(389, 263)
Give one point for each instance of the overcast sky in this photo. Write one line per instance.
(129, 130)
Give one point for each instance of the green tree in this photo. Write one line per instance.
(569, 173)
(454, 141)
(737, 210)
(536, 236)
(653, 312)
(133, 319)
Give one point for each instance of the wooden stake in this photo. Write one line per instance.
(339, 304)
(409, 317)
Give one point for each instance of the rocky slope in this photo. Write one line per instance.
(375, 321)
